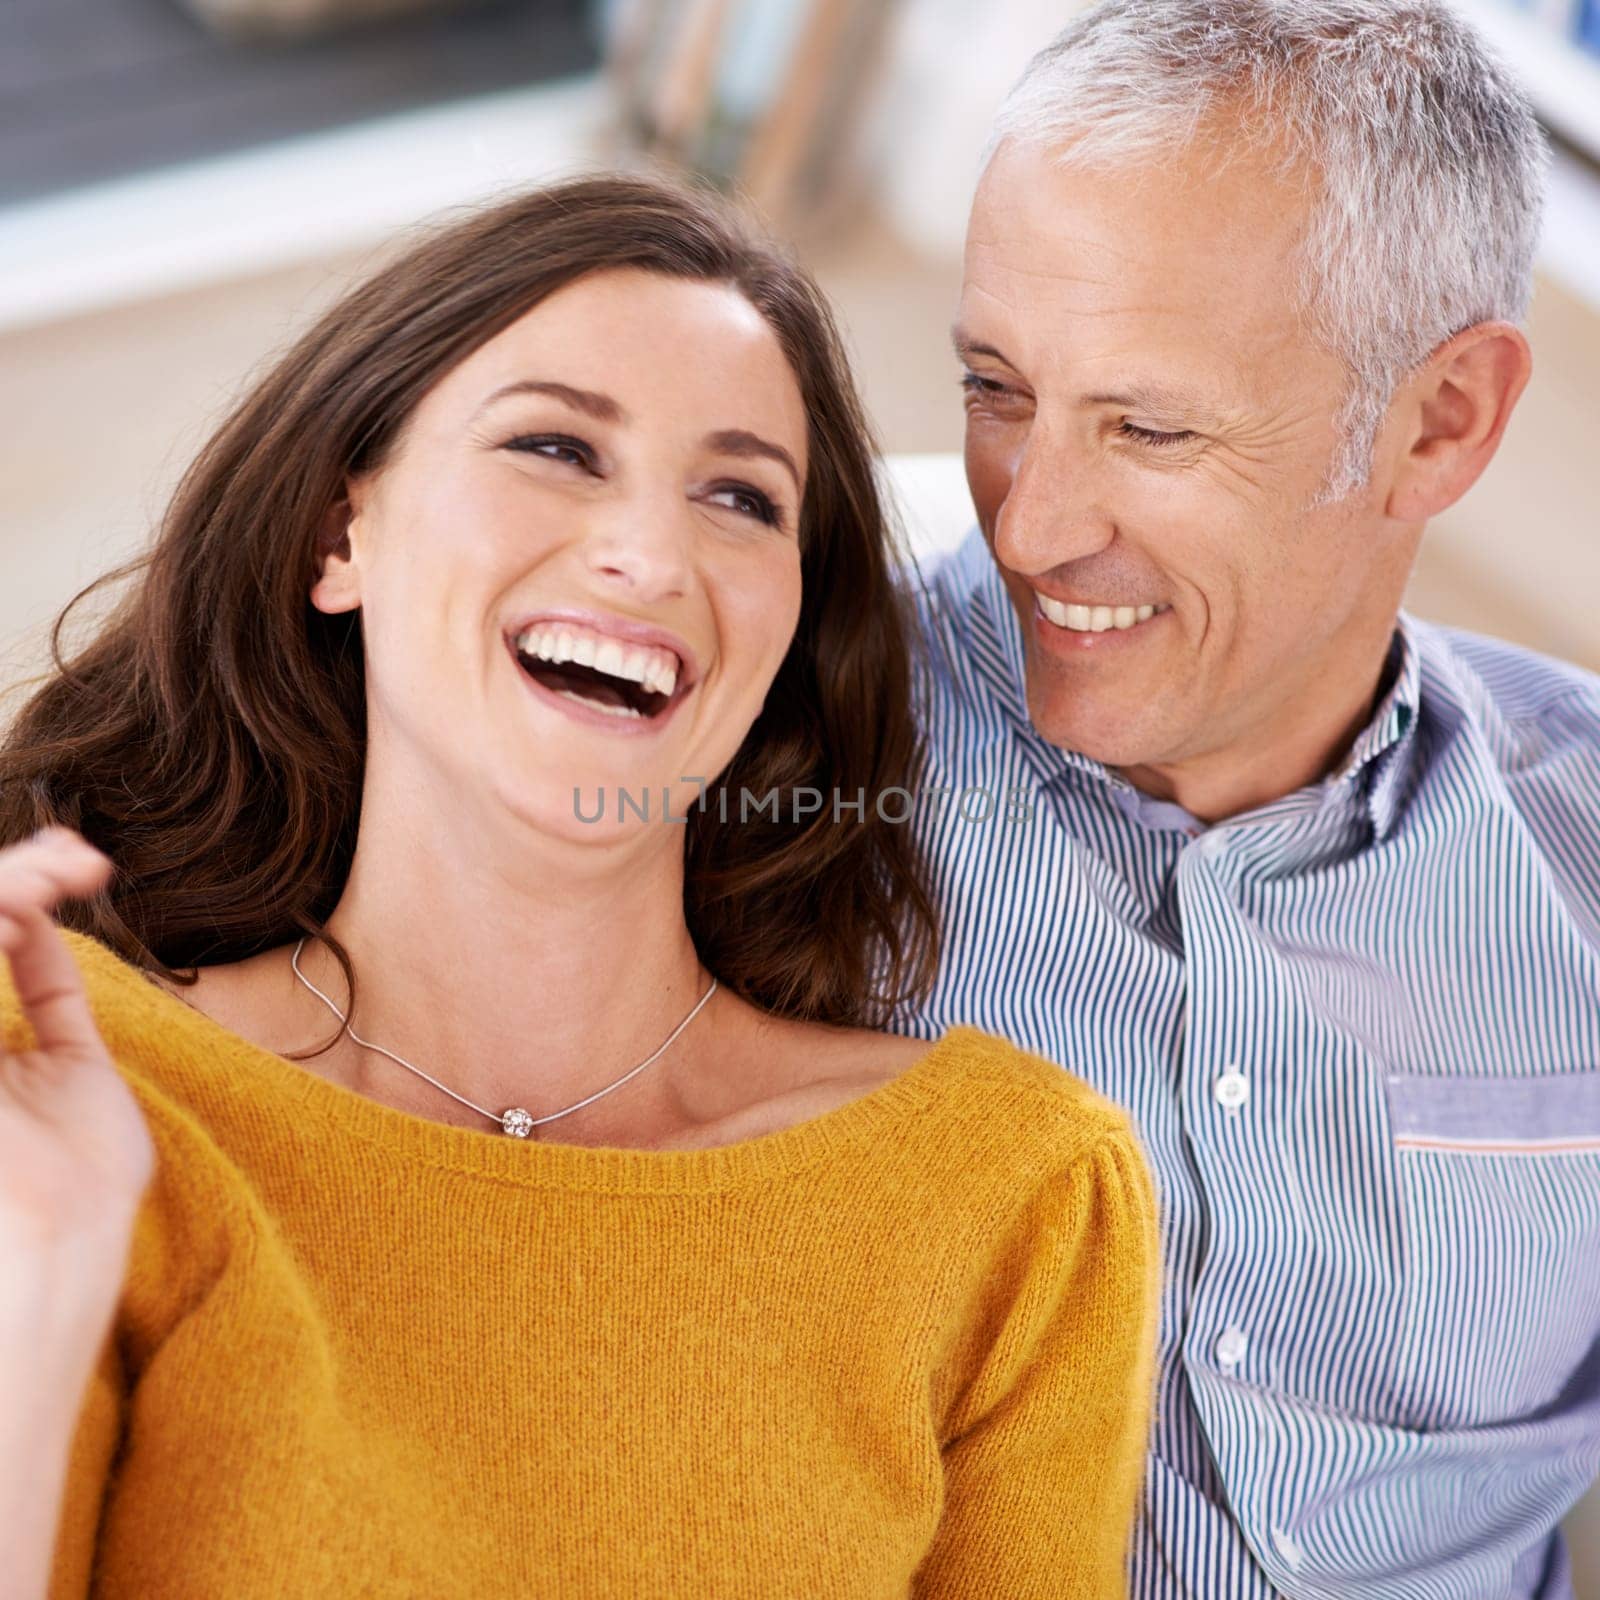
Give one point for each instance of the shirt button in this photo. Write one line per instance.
(1231, 1347)
(1232, 1089)
(1287, 1548)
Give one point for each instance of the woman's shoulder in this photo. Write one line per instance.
(993, 1107)
(1001, 1086)
(1024, 1170)
(1055, 1171)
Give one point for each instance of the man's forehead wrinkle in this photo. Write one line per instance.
(1024, 331)
(1028, 238)
(1026, 264)
(1137, 288)
(1253, 355)
(1023, 296)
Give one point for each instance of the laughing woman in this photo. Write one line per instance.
(616, 1253)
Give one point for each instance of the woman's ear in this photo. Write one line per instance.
(335, 588)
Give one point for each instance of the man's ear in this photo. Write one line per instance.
(1457, 408)
(334, 589)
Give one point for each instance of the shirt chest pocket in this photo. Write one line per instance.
(1498, 1188)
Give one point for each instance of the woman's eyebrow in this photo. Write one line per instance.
(730, 442)
(599, 406)
(737, 442)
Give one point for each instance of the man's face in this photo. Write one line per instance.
(1148, 427)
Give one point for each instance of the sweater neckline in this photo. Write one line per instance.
(165, 1021)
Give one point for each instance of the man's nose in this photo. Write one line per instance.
(1054, 510)
(642, 546)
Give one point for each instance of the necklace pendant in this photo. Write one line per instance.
(517, 1122)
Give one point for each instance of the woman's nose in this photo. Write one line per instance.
(644, 549)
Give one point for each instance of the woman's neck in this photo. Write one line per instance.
(529, 972)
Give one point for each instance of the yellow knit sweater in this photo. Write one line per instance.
(902, 1349)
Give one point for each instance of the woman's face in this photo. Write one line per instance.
(579, 569)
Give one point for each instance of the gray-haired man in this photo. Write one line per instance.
(1311, 886)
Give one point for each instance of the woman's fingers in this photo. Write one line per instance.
(57, 857)
(75, 1152)
(47, 868)
(50, 990)
(34, 877)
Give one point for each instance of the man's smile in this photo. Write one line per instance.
(1092, 617)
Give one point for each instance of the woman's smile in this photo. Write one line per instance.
(596, 679)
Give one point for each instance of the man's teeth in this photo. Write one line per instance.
(557, 642)
(1093, 619)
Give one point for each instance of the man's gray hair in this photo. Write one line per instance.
(1429, 162)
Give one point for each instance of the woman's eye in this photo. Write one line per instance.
(554, 446)
(748, 502)
(1154, 437)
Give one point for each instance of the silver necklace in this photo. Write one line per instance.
(518, 1121)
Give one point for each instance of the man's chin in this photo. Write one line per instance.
(1110, 734)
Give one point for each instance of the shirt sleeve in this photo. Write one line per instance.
(1046, 1450)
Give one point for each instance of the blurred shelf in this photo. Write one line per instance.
(761, 96)
(294, 200)
(97, 90)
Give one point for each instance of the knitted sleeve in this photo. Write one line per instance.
(1046, 1449)
(185, 1233)
(94, 1447)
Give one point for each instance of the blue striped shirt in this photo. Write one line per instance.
(1359, 1031)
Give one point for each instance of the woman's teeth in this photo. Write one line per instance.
(1094, 619)
(600, 705)
(558, 642)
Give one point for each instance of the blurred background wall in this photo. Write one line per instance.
(185, 183)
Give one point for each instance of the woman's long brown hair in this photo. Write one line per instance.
(210, 736)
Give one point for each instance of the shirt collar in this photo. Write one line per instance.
(1377, 763)
(1380, 759)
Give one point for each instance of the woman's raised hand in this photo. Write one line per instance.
(75, 1153)
(75, 1158)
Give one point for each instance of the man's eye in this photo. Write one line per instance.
(1152, 436)
(555, 446)
(987, 387)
